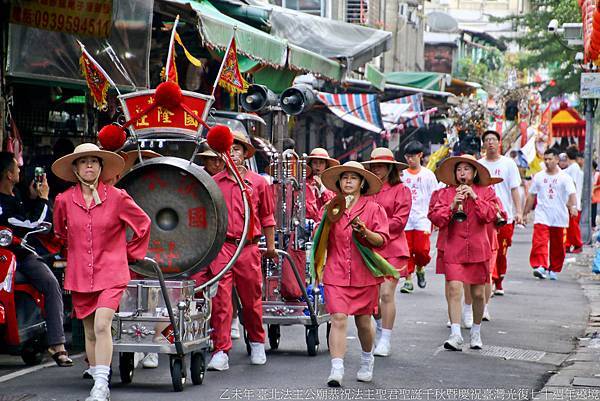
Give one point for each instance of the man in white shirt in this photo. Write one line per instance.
(508, 193)
(421, 182)
(556, 200)
(574, 231)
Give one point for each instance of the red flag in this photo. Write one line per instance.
(230, 76)
(97, 80)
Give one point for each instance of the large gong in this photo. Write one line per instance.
(188, 212)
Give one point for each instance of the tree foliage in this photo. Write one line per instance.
(488, 71)
(542, 49)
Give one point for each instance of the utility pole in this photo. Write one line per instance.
(586, 216)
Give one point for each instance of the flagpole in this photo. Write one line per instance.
(171, 46)
(117, 62)
(223, 62)
(98, 66)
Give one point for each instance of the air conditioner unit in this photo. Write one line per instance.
(413, 17)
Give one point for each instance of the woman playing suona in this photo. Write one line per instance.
(396, 199)
(467, 249)
(344, 261)
(92, 218)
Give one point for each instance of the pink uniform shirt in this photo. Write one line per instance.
(344, 265)
(261, 201)
(98, 251)
(466, 242)
(320, 198)
(396, 201)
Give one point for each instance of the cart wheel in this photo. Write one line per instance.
(247, 341)
(274, 335)
(126, 367)
(198, 367)
(177, 373)
(312, 340)
(328, 331)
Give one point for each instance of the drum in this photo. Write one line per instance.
(188, 213)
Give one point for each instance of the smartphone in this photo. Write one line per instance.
(39, 174)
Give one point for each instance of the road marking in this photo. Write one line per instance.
(32, 369)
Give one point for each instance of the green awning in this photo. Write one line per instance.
(217, 28)
(305, 60)
(421, 80)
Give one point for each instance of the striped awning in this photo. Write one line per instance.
(360, 109)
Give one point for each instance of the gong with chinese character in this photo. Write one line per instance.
(188, 213)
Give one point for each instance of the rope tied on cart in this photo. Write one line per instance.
(377, 265)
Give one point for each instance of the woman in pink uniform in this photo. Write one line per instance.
(396, 199)
(467, 249)
(350, 287)
(92, 218)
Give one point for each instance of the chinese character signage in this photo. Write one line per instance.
(163, 120)
(78, 17)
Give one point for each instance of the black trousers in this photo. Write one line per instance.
(42, 278)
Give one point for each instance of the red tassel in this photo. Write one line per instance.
(112, 137)
(220, 138)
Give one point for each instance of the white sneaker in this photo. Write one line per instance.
(448, 324)
(100, 392)
(335, 377)
(257, 354)
(467, 317)
(383, 348)
(365, 371)
(137, 358)
(454, 343)
(476, 342)
(235, 329)
(219, 361)
(150, 361)
(486, 315)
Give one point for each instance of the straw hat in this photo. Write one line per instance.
(496, 180)
(332, 175)
(131, 156)
(322, 154)
(384, 156)
(445, 172)
(112, 163)
(208, 153)
(245, 142)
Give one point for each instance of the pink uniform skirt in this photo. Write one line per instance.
(86, 303)
(351, 300)
(468, 273)
(401, 265)
(439, 262)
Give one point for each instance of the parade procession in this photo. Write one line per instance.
(307, 200)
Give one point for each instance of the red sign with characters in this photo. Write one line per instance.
(164, 120)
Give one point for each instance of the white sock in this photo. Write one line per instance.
(92, 369)
(235, 322)
(386, 334)
(485, 308)
(337, 363)
(366, 356)
(476, 328)
(378, 324)
(101, 373)
(455, 329)
(467, 308)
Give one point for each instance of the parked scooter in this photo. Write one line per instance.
(22, 325)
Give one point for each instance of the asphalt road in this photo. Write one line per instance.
(533, 329)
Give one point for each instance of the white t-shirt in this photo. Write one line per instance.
(576, 173)
(421, 187)
(506, 169)
(552, 196)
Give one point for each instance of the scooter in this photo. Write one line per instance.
(22, 325)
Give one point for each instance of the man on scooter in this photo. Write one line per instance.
(21, 216)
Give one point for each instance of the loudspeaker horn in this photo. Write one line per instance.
(297, 99)
(258, 98)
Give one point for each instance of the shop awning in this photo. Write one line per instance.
(422, 80)
(356, 45)
(566, 121)
(360, 109)
(216, 29)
